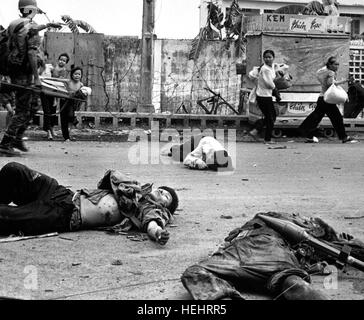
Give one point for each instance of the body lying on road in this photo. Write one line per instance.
(256, 257)
(202, 153)
(34, 203)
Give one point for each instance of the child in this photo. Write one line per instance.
(46, 69)
(50, 103)
(68, 108)
(60, 70)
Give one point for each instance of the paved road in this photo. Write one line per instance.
(320, 179)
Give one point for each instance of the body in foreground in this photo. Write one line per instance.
(34, 203)
(255, 257)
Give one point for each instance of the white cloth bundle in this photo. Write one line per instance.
(335, 95)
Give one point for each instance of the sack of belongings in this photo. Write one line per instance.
(335, 95)
(254, 73)
(253, 95)
(283, 79)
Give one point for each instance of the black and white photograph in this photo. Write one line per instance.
(159, 151)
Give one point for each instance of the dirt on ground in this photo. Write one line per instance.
(322, 180)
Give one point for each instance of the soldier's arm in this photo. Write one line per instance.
(32, 56)
(33, 47)
(48, 25)
(153, 221)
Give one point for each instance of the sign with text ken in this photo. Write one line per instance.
(305, 24)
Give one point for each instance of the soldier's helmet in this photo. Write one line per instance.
(29, 4)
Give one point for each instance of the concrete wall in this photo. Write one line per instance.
(176, 79)
(122, 72)
(183, 80)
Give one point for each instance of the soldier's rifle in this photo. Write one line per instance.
(296, 234)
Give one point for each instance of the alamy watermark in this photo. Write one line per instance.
(148, 150)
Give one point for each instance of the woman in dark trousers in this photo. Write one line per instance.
(326, 76)
(264, 92)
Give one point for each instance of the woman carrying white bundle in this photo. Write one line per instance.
(326, 77)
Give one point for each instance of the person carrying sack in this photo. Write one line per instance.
(264, 90)
(326, 77)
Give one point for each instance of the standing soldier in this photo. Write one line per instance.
(24, 45)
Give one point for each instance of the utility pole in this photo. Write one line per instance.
(147, 61)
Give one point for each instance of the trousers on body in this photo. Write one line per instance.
(266, 105)
(41, 205)
(309, 125)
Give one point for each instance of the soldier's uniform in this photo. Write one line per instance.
(20, 74)
(43, 205)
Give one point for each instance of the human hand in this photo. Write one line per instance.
(341, 81)
(162, 236)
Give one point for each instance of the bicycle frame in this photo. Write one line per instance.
(215, 100)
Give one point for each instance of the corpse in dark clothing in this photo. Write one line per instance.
(42, 205)
(255, 256)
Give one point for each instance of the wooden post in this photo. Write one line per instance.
(147, 60)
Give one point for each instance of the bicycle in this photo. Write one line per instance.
(185, 107)
(217, 102)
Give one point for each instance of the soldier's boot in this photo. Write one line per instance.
(6, 148)
(18, 142)
(20, 145)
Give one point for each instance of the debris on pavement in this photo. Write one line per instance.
(352, 218)
(117, 262)
(138, 237)
(75, 264)
(68, 239)
(225, 217)
(182, 189)
(13, 239)
(277, 147)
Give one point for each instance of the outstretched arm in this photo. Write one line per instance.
(49, 25)
(157, 233)
(32, 56)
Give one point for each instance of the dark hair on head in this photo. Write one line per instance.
(74, 69)
(330, 61)
(64, 55)
(174, 204)
(270, 52)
